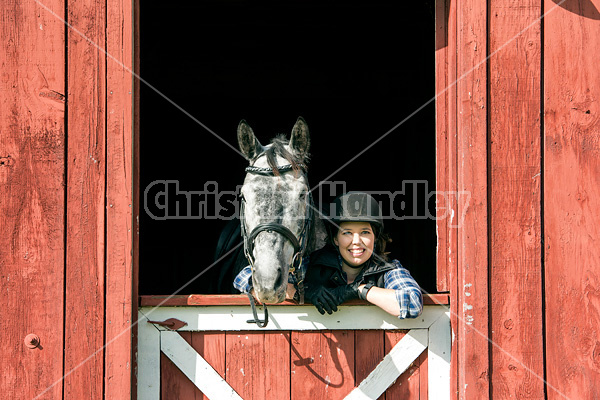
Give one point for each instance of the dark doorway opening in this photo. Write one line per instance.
(355, 71)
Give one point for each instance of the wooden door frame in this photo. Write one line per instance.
(450, 60)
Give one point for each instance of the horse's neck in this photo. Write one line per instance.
(318, 235)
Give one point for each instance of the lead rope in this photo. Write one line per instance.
(260, 322)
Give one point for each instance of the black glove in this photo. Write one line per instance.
(344, 293)
(322, 298)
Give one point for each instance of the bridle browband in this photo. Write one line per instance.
(299, 243)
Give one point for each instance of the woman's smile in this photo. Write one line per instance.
(357, 252)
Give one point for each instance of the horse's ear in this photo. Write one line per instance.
(249, 144)
(300, 139)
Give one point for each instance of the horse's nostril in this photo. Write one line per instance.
(279, 279)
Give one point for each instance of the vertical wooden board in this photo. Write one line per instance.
(472, 277)
(174, 385)
(368, 353)
(572, 198)
(277, 366)
(211, 346)
(517, 357)
(407, 386)
(423, 367)
(245, 362)
(85, 261)
(258, 364)
(445, 82)
(147, 369)
(119, 185)
(441, 142)
(322, 364)
(32, 145)
(453, 156)
(136, 184)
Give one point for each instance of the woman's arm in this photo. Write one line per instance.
(401, 296)
(384, 299)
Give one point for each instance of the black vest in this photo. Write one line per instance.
(324, 269)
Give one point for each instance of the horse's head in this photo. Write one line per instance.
(276, 205)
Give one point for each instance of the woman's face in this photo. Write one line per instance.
(355, 241)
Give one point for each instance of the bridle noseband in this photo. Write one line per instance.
(299, 243)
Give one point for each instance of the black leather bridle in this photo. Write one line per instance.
(299, 243)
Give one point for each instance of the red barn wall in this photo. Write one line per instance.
(527, 130)
(66, 183)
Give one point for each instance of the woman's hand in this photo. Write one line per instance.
(323, 299)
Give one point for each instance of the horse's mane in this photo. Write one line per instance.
(277, 148)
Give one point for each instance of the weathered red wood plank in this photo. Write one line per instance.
(445, 146)
(136, 187)
(86, 147)
(174, 385)
(242, 300)
(322, 364)
(452, 241)
(368, 353)
(211, 346)
(572, 198)
(472, 294)
(32, 144)
(407, 386)
(258, 364)
(119, 183)
(517, 358)
(423, 366)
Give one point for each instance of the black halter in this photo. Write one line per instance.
(299, 243)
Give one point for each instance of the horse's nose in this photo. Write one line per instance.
(279, 279)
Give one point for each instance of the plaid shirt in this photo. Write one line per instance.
(243, 280)
(408, 292)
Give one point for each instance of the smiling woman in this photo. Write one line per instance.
(354, 264)
(356, 72)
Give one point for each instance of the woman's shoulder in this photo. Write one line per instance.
(396, 267)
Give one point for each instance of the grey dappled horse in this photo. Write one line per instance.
(278, 219)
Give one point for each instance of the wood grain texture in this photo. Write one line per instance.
(453, 234)
(571, 198)
(211, 347)
(32, 146)
(517, 357)
(174, 385)
(119, 185)
(242, 299)
(86, 168)
(408, 384)
(472, 277)
(195, 368)
(322, 364)
(258, 364)
(136, 188)
(445, 105)
(368, 353)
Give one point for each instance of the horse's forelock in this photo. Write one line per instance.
(277, 148)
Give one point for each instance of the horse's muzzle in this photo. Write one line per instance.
(270, 296)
